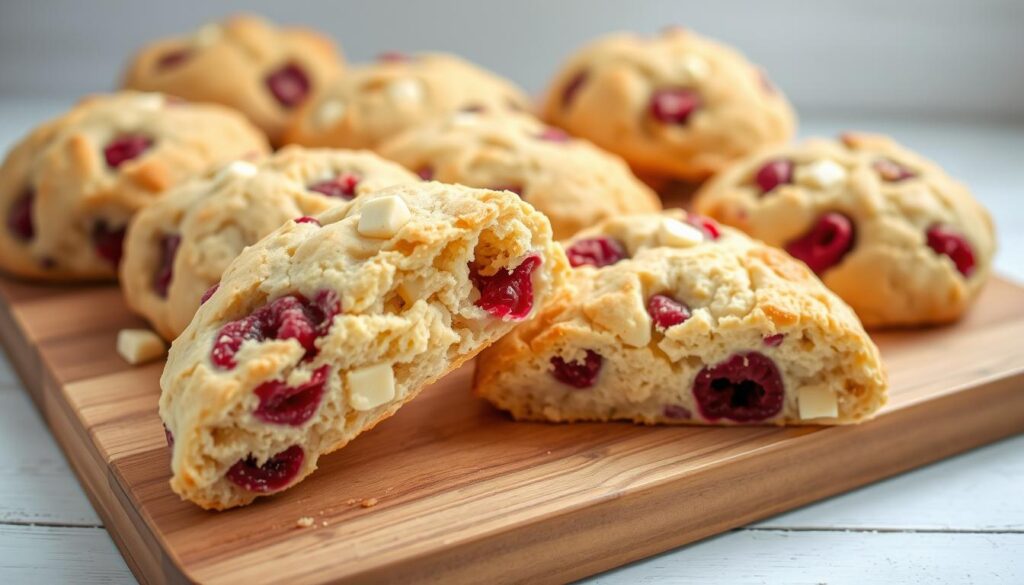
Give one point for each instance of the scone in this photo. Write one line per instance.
(244, 62)
(888, 231)
(669, 319)
(326, 327)
(675, 105)
(374, 102)
(177, 248)
(571, 181)
(68, 189)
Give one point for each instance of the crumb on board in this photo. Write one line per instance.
(304, 522)
(323, 523)
(368, 502)
(351, 501)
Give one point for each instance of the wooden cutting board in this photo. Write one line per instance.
(464, 495)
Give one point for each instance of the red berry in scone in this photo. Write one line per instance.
(687, 329)
(887, 230)
(320, 330)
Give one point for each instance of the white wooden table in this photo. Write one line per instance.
(957, 521)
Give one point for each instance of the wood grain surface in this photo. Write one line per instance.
(465, 495)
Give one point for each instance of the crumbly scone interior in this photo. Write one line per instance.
(741, 295)
(407, 301)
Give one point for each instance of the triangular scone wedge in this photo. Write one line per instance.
(329, 324)
(674, 319)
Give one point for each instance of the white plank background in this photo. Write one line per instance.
(957, 521)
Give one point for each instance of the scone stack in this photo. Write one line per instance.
(411, 220)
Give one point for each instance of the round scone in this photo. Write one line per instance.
(374, 102)
(68, 189)
(890, 232)
(664, 322)
(675, 105)
(244, 62)
(326, 327)
(570, 180)
(177, 248)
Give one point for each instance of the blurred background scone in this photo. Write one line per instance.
(889, 231)
(245, 62)
(68, 189)
(570, 180)
(178, 248)
(674, 105)
(374, 102)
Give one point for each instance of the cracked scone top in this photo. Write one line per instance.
(177, 248)
(244, 62)
(326, 327)
(674, 319)
(889, 231)
(570, 180)
(673, 105)
(68, 189)
(374, 102)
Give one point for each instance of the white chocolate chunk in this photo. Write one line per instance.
(207, 35)
(150, 101)
(817, 402)
(677, 234)
(464, 120)
(406, 91)
(371, 386)
(238, 168)
(694, 67)
(138, 346)
(383, 217)
(822, 174)
(330, 112)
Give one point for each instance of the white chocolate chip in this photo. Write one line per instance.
(150, 101)
(371, 386)
(464, 120)
(238, 168)
(207, 35)
(694, 67)
(817, 402)
(138, 346)
(822, 174)
(383, 217)
(406, 91)
(677, 234)
(330, 112)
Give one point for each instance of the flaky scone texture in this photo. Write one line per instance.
(68, 189)
(892, 274)
(605, 92)
(410, 311)
(570, 180)
(177, 248)
(246, 63)
(747, 304)
(375, 102)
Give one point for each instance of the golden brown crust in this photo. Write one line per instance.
(891, 277)
(228, 63)
(74, 190)
(407, 301)
(741, 296)
(571, 181)
(375, 102)
(603, 93)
